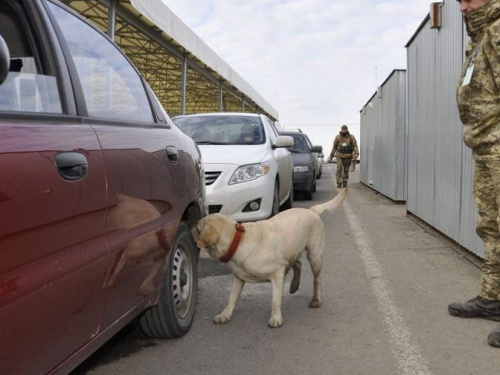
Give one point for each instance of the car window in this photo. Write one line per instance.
(26, 88)
(111, 86)
(272, 131)
(299, 144)
(222, 130)
(309, 143)
(272, 126)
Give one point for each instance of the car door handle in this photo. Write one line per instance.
(172, 154)
(72, 166)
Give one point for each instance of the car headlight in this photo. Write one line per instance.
(249, 172)
(302, 168)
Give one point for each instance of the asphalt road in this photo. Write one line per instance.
(387, 281)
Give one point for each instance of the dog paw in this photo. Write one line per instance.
(222, 318)
(275, 322)
(315, 303)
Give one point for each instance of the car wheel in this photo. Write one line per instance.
(276, 200)
(308, 194)
(174, 313)
(289, 202)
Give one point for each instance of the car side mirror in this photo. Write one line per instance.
(4, 60)
(283, 141)
(317, 149)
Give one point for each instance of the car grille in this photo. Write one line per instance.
(214, 209)
(210, 177)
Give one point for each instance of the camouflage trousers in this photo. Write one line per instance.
(343, 170)
(487, 197)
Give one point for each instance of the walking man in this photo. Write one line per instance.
(478, 99)
(345, 148)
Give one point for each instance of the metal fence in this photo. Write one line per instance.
(439, 166)
(382, 151)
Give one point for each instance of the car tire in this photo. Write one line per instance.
(276, 200)
(289, 202)
(173, 315)
(308, 194)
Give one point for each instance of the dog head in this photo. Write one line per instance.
(209, 231)
(204, 233)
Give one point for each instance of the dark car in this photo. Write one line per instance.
(98, 189)
(305, 162)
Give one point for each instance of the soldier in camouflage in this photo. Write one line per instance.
(345, 148)
(478, 99)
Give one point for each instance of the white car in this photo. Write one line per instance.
(248, 168)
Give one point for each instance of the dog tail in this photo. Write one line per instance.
(332, 204)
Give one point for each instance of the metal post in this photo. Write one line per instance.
(111, 19)
(221, 94)
(243, 104)
(183, 84)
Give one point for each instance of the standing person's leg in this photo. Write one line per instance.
(345, 177)
(340, 167)
(487, 197)
(491, 275)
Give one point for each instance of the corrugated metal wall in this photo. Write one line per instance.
(383, 138)
(439, 167)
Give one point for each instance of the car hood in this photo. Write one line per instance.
(301, 159)
(229, 154)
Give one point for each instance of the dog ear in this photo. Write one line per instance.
(208, 236)
(195, 233)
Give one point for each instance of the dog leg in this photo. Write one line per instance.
(226, 315)
(278, 282)
(294, 286)
(316, 270)
(119, 266)
(147, 287)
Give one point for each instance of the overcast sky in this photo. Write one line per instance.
(316, 61)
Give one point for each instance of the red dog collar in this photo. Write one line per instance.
(234, 245)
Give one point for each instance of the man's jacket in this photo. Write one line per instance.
(478, 92)
(345, 147)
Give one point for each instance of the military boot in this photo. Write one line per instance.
(345, 184)
(339, 185)
(494, 338)
(477, 307)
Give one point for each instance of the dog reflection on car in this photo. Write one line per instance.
(153, 246)
(266, 250)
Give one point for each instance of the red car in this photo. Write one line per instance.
(98, 189)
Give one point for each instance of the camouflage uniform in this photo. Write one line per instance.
(478, 99)
(345, 148)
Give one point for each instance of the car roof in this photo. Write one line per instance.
(292, 132)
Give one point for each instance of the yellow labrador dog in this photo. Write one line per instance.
(266, 250)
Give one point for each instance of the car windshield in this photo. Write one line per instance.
(222, 130)
(299, 145)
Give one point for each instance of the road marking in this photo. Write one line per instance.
(408, 355)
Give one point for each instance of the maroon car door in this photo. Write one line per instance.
(146, 188)
(53, 255)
